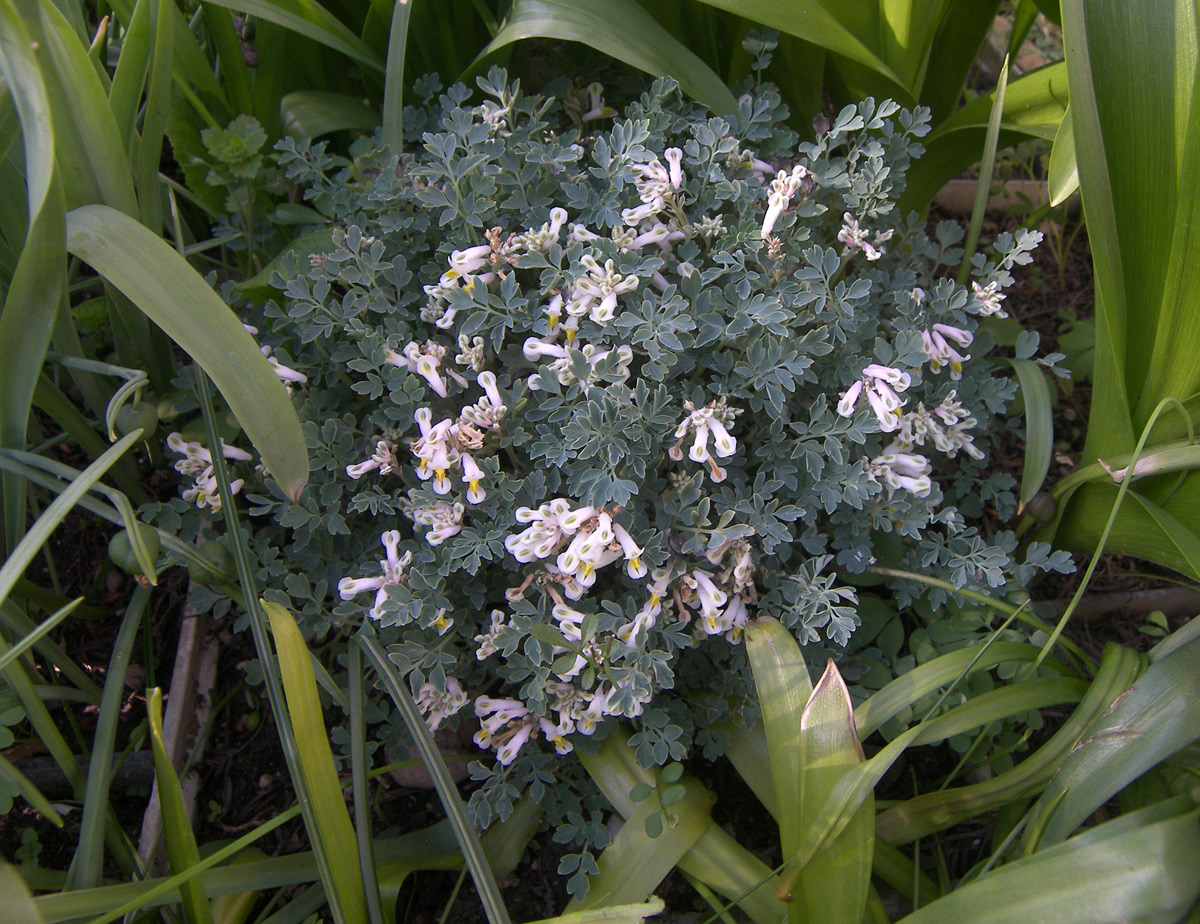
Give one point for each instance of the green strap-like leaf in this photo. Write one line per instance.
(393, 79)
(334, 835)
(310, 19)
(621, 29)
(1118, 872)
(1062, 178)
(34, 291)
(182, 851)
(19, 907)
(814, 21)
(313, 113)
(634, 864)
(173, 295)
(783, 686)
(1039, 427)
(1159, 715)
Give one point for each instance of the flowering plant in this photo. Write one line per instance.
(604, 392)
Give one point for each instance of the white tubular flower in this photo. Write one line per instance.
(487, 640)
(704, 423)
(596, 293)
(392, 568)
(543, 537)
(425, 361)
(488, 412)
(438, 705)
(880, 384)
(472, 474)
(470, 352)
(436, 450)
(855, 238)
(599, 110)
(505, 724)
(946, 427)
(383, 459)
(444, 521)
(783, 189)
(596, 711)
(674, 158)
(284, 374)
(541, 239)
(470, 261)
(658, 234)
(936, 346)
(557, 735)
(634, 566)
(901, 471)
(197, 463)
(989, 298)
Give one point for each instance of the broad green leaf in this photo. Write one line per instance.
(716, 859)
(935, 811)
(34, 292)
(784, 687)
(612, 914)
(961, 30)
(393, 80)
(313, 113)
(259, 286)
(815, 21)
(181, 841)
(310, 19)
(1063, 175)
(1039, 427)
(1117, 872)
(19, 907)
(1034, 104)
(1133, 73)
(90, 153)
(1159, 715)
(154, 116)
(922, 680)
(621, 29)
(1141, 528)
(334, 836)
(179, 301)
(634, 864)
(834, 882)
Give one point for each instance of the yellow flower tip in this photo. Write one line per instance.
(440, 474)
(588, 569)
(570, 336)
(655, 599)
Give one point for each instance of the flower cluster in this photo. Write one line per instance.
(606, 398)
(197, 463)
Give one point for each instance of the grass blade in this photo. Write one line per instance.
(983, 185)
(362, 795)
(621, 29)
(177, 299)
(182, 852)
(334, 835)
(468, 840)
(87, 866)
(154, 117)
(393, 79)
